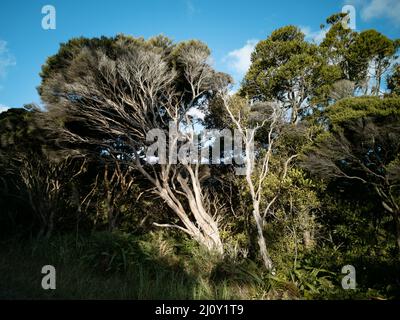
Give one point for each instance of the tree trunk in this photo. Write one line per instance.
(307, 239)
(256, 208)
(295, 110)
(378, 76)
(261, 240)
(205, 231)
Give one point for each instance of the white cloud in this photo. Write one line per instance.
(239, 60)
(382, 8)
(375, 9)
(313, 36)
(6, 58)
(3, 108)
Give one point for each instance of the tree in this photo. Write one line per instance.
(241, 119)
(393, 80)
(105, 95)
(30, 171)
(262, 122)
(15, 138)
(290, 70)
(112, 193)
(336, 44)
(342, 89)
(370, 56)
(362, 143)
(363, 57)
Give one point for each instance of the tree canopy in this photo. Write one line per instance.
(144, 172)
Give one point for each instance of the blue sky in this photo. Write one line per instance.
(230, 28)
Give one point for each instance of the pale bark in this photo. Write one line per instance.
(126, 97)
(255, 179)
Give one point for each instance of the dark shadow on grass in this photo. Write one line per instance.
(100, 266)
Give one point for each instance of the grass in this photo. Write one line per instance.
(104, 266)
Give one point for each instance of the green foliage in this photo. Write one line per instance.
(336, 44)
(284, 65)
(109, 253)
(358, 236)
(336, 202)
(351, 109)
(393, 80)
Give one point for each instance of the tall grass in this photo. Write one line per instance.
(115, 266)
(106, 265)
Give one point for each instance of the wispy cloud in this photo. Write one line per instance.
(382, 9)
(6, 58)
(315, 36)
(239, 60)
(376, 9)
(190, 8)
(3, 108)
